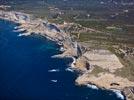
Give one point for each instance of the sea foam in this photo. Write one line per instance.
(69, 69)
(118, 94)
(54, 70)
(55, 81)
(74, 61)
(92, 86)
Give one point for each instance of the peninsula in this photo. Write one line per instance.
(87, 62)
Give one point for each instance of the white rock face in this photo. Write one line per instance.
(44, 28)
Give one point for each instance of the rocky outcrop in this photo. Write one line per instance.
(82, 64)
(101, 72)
(129, 93)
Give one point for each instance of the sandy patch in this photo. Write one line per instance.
(104, 59)
(105, 80)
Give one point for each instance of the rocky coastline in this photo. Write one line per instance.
(29, 25)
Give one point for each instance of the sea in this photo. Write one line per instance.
(29, 72)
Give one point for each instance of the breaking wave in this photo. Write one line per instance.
(92, 86)
(118, 94)
(69, 69)
(54, 70)
(54, 81)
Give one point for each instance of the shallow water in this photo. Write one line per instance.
(27, 70)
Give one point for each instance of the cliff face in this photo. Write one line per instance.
(29, 25)
(129, 93)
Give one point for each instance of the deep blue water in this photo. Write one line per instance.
(24, 65)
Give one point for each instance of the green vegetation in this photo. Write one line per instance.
(97, 70)
(57, 21)
(128, 70)
(92, 24)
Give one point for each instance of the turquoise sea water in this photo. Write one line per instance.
(27, 70)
